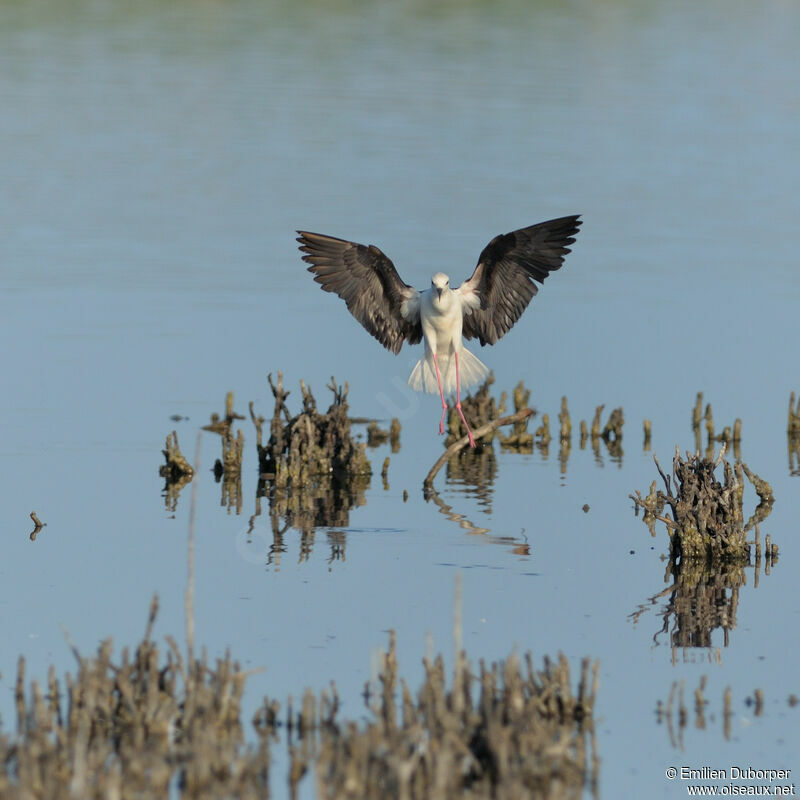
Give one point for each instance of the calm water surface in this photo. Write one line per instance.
(155, 164)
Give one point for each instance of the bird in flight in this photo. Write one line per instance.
(484, 307)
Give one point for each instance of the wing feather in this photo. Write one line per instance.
(502, 284)
(368, 283)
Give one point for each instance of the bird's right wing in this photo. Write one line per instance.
(504, 281)
(368, 282)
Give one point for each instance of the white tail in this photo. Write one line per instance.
(471, 371)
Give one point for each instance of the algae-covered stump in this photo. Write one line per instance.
(707, 515)
(305, 446)
(312, 468)
(177, 471)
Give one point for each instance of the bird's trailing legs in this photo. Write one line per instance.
(458, 399)
(458, 403)
(441, 394)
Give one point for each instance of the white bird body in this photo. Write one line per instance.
(441, 314)
(484, 307)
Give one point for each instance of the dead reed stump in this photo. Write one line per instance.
(707, 518)
(308, 445)
(505, 730)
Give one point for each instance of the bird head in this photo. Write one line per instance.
(440, 282)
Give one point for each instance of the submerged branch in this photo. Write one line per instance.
(477, 434)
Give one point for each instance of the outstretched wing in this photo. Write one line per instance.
(368, 282)
(503, 282)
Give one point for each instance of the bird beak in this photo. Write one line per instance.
(440, 292)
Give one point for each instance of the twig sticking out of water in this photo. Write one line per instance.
(394, 435)
(542, 434)
(229, 470)
(565, 436)
(223, 425)
(793, 435)
(177, 466)
(728, 436)
(564, 420)
(793, 428)
(610, 433)
(39, 525)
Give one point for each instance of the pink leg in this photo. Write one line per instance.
(441, 394)
(458, 404)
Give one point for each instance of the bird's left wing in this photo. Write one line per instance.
(502, 285)
(368, 282)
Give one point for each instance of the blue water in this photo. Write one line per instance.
(156, 163)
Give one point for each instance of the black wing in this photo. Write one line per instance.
(503, 282)
(368, 282)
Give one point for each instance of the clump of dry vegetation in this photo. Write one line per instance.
(707, 518)
(508, 730)
(177, 471)
(139, 728)
(311, 468)
(158, 724)
(307, 445)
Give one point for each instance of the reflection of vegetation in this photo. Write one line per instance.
(704, 597)
(702, 600)
(518, 546)
(475, 472)
(231, 470)
(278, 547)
(676, 716)
(707, 516)
(522, 732)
